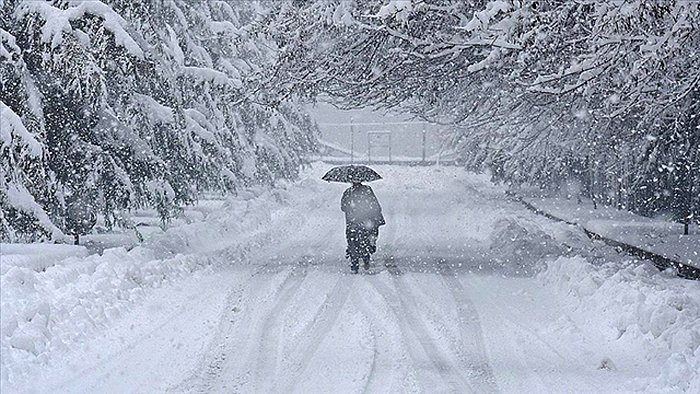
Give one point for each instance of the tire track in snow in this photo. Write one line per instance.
(469, 347)
(431, 361)
(269, 342)
(470, 354)
(242, 333)
(449, 368)
(322, 323)
(237, 331)
(388, 348)
(215, 357)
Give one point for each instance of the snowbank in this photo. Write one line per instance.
(636, 306)
(36, 257)
(53, 300)
(517, 240)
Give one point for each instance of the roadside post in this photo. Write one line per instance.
(423, 150)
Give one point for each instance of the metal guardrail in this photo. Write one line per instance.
(381, 141)
(661, 262)
(345, 156)
(410, 163)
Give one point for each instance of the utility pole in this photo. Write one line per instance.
(352, 140)
(683, 192)
(423, 155)
(369, 147)
(389, 148)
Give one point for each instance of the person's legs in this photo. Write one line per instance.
(354, 264)
(361, 244)
(352, 252)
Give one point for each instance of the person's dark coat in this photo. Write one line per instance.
(363, 216)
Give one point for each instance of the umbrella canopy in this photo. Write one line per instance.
(351, 173)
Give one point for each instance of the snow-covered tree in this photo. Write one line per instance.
(137, 103)
(540, 90)
(25, 186)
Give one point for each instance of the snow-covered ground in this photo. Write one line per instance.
(654, 235)
(469, 292)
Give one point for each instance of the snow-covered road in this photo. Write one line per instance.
(453, 303)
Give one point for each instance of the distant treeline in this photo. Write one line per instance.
(114, 105)
(601, 94)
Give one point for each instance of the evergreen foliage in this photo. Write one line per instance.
(542, 92)
(123, 104)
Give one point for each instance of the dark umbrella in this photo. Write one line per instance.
(351, 173)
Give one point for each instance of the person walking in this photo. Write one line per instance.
(363, 214)
(363, 217)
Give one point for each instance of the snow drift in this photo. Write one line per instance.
(637, 306)
(54, 300)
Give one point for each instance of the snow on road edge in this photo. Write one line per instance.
(57, 308)
(638, 306)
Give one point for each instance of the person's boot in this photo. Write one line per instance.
(366, 260)
(354, 265)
